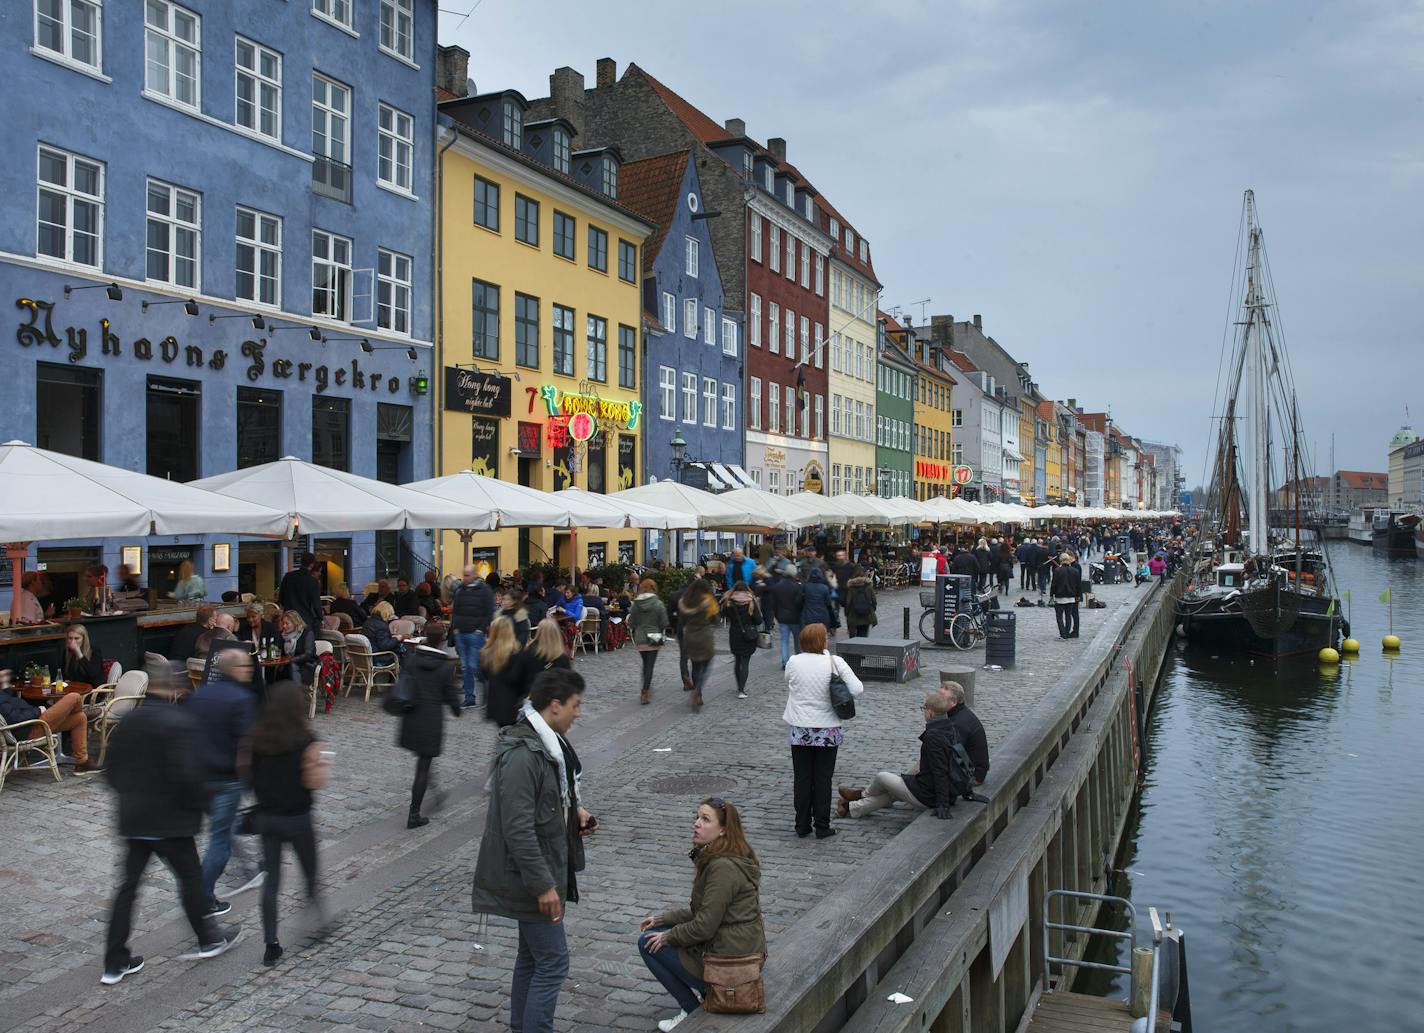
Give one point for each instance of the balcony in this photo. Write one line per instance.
(331, 178)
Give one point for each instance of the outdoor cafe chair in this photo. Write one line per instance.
(114, 701)
(323, 646)
(590, 633)
(16, 749)
(368, 667)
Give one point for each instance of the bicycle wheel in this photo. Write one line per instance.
(962, 632)
(927, 625)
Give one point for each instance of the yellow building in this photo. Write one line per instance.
(1028, 469)
(934, 425)
(539, 310)
(851, 373)
(1050, 430)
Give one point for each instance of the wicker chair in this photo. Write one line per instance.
(338, 649)
(590, 633)
(323, 646)
(368, 667)
(110, 703)
(16, 748)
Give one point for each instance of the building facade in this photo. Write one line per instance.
(541, 305)
(852, 371)
(894, 414)
(219, 253)
(1403, 438)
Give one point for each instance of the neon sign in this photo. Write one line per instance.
(559, 403)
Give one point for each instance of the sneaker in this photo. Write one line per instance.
(741, 695)
(416, 821)
(115, 975)
(667, 1025)
(253, 881)
(217, 909)
(228, 935)
(271, 955)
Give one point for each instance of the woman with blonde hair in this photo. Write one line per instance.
(499, 665)
(377, 629)
(299, 645)
(545, 651)
(79, 660)
(190, 586)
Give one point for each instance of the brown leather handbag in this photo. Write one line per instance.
(733, 986)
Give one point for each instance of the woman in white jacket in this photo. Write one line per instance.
(815, 730)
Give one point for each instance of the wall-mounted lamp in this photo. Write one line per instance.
(312, 331)
(190, 306)
(113, 290)
(420, 383)
(366, 346)
(258, 323)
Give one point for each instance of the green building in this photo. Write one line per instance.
(894, 416)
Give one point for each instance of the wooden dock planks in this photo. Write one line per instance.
(1079, 1013)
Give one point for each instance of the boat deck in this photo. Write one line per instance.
(1061, 1012)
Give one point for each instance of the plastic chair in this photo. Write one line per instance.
(323, 647)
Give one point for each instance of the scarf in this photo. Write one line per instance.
(561, 751)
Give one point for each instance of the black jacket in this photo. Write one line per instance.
(1066, 582)
(153, 766)
(471, 607)
(406, 604)
(816, 605)
(378, 633)
(520, 619)
(743, 627)
(301, 592)
(971, 733)
(76, 668)
(507, 687)
(185, 642)
(931, 784)
(422, 729)
(787, 598)
(269, 631)
(351, 608)
(964, 563)
(982, 560)
(13, 709)
(224, 711)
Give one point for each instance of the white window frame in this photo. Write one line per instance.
(689, 318)
(754, 417)
(754, 323)
(689, 398)
(773, 248)
(773, 323)
(805, 340)
(339, 288)
(331, 115)
(168, 37)
(773, 424)
(836, 351)
(71, 197)
(805, 267)
(175, 227)
(563, 150)
(390, 283)
(791, 257)
(693, 253)
(729, 406)
(820, 274)
(709, 325)
(729, 337)
(849, 241)
(511, 124)
(756, 237)
(864, 252)
(835, 415)
(670, 311)
(261, 82)
(818, 351)
(392, 12)
(835, 227)
(391, 139)
(259, 247)
(339, 12)
(667, 393)
(820, 417)
(709, 402)
(67, 32)
(790, 323)
(790, 409)
(770, 178)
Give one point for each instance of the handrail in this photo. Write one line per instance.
(1153, 997)
(1130, 935)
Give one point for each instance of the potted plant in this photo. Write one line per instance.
(75, 606)
(35, 674)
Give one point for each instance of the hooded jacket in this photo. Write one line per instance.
(964, 563)
(647, 615)
(724, 915)
(695, 622)
(816, 607)
(787, 597)
(153, 765)
(422, 727)
(856, 589)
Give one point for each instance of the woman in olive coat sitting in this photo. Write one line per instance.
(723, 917)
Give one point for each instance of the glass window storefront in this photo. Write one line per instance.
(68, 403)
(174, 428)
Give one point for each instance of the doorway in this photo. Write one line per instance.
(528, 471)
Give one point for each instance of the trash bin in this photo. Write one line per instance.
(1000, 630)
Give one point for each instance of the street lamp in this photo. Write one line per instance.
(679, 459)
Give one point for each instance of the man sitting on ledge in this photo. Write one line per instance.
(930, 784)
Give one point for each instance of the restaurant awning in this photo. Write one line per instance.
(709, 511)
(512, 505)
(622, 513)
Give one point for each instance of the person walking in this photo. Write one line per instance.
(285, 766)
(743, 627)
(788, 596)
(154, 769)
(1024, 554)
(531, 849)
(422, 728)
(502, 667)
(814, 730)
(983, 564)
(696, 611)
(1005, 566)
(739, 568)
(818, 605)
(471, 607)
(1067, 591)
(859, 603)
(723, 917)
(648, 621)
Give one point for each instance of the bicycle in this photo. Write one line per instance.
(966, 629)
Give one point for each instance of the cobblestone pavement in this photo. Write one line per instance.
(407, 953)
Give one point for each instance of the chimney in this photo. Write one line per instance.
(978, 322)
(607, 72)
(566, 91)
(777, 146)
(452, 70)
(736, 127)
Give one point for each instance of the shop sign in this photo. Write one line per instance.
(927, 470)
(627, 462)
(963, 474)
(530, 441)
(480, 394)
(39, 331)
(558, 432)
(484, 447)
(812, 480)
(622, 414)
(775, 456)
(485, 561)
(627, 550)
(582, 426)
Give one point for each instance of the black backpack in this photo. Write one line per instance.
(860, 601)
(961, 768)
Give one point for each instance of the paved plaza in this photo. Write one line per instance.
(407, 953)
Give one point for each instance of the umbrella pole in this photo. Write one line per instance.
(573, 557)
(16, 552)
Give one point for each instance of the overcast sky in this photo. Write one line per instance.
(1074, 171)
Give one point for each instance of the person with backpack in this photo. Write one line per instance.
(943, 775)
(860, 603)
(970, 728)
(743, 629)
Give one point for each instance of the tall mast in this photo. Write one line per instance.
(1255, 361)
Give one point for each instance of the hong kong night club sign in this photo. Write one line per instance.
(480, 394)
(253, 356)
(562, 403)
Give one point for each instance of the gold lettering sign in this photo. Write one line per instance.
(775, 457)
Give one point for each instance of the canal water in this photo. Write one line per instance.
(1281, 821)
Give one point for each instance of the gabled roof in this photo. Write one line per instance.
(1095, 421)
(962, 361)
(1361, 479)
(892, 325)
(1045, 409)
(653, 188)
(702, 127)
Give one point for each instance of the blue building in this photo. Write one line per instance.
(692, 359)
(218, 251)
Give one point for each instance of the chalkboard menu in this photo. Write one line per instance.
(953, 593)
(484, 447)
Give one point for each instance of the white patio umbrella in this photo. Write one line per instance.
(709, 511)
(322, 499)
(595, 510)
(513, 505)
(815, 504)
(796, 513)
(953, 511)
(908, 510)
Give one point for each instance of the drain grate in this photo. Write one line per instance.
(693, 785)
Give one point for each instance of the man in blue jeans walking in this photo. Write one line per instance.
(787, 598)
(471, 607)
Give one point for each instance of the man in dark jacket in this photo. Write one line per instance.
(1024, 554)
(300, 591)
(1067, 592)
(405, 601)
(530, 852)
(185, 642)
(817, 606)
(471, 608)
(224, 709)
(965, 564)
(928, 786)
(788, 596)
(153, 766)
(971, 730)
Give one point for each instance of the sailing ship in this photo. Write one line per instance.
(1268, 593)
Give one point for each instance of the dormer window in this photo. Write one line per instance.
(864, 250)
(810, 211)
(849, 241)
(835, 227)
(790, 194)
(770, 180)
(747, 161)
(610, 177)
(561, 151)
(513, 125)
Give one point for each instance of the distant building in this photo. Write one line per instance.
(1312, 492)
(1403, 438)
(1354, 489)
(894, 414)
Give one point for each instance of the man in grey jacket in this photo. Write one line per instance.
(531, 849)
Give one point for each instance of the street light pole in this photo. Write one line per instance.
(679, 460)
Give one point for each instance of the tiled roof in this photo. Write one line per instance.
(1361, 479)
(1045, 409)
(962, 361)
(932, 371)
(1097, 421)
(441, 93)
(892, 325)
(653, 188)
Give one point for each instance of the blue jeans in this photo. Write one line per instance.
(539, 972)
(667, 967)
(790, 641)
(222, 816)
(468, 644)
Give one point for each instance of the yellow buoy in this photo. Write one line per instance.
(1391, 642)
(1350, 645)
(1329, 656)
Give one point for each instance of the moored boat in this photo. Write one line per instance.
(1393, 533)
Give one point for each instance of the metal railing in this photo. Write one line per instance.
(1048, 924)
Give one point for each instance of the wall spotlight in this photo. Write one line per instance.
(410, 354)
(258, 323)
(189, 306)
(366, 346)
(113, 290)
